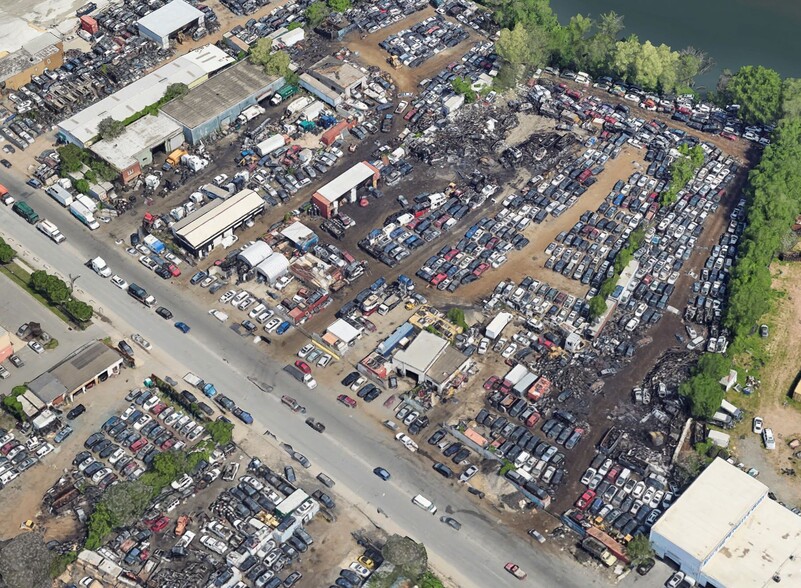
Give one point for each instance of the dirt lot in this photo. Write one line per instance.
(22, 499)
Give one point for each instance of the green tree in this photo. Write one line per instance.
(456, 316)
(71, 158)
(406, 554)
(316, 13)
(513, 45)
(275, 63)
(758, 91)
(639, 549)
(82, 186)
(220, 431)
(7, 253)
(597, 306)
(108, 128)
(791, 97)
(464, 87)
(79, 310)
(175, 91)
(339, 5)
(429, 580)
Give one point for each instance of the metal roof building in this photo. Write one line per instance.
(725, 531)
(418, 359)
(87, 366)
(191, 69)
(300, 235)
(133, 150)
(254, 254)
(273, 267)
(327, 197)
(168, 20)
(204, 229)
(219, 101)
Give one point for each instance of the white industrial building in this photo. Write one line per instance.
(725, 531)
(273, 267)
(191, 69)
(169, 20)
(208, 227)
(332, 80)
(431, 359)
(344, 187)
(341, 334)
(255, 253)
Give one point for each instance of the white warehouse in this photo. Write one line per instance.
(725, 531)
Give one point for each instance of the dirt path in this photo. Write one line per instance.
(407, 78)
(531, 260)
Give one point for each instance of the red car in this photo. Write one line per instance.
(303, 366)
(168, 444)
(347, 400)
(532, 420)
(490, 383)
(585, 499)
(729, 136)
(158, 525)
(158, 409)
(138, 444)
(515, 570)
(173, 269)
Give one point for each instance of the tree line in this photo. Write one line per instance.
(773, 200)
(57, 293)
(532, 37)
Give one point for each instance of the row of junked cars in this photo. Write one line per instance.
(130, 442)
(416, 45)
(17, 456)
(620, 502)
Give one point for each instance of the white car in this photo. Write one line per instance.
(305, 350)
(407, 442)
(757, 427)
(36, 346)
(141, 341)
(272, 325)
(358, 383)
(143, 420)
(324, 360)
(44, 450)
(225, 298)
(216, 545)
(86, 463)
(588, 475)
(116, 456)
(257, 310)
(509, 351)
(239, 298)
(119, 282)
(360, 569)
(483, 346)
(182, 483)
(265, 316)
(150, 402)
(100, 474)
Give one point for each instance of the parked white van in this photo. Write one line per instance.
(425, 504)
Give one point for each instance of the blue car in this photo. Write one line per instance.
(283, 328)
(62, 434)
(382, 473)
(183, 327)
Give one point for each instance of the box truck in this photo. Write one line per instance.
(60, 195)
(51, 231)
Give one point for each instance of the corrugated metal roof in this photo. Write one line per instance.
(215, 218)
(346, 181)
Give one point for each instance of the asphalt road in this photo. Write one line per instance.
(352, 444)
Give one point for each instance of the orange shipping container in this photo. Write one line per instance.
(539, 389)
(613, 546)
(89, 24)
(476, 438)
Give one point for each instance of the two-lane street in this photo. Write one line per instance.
(352, 444)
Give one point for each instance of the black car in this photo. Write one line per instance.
(324, 498)
(163, 273)
(443, 470)
(76, 412)
(16, 361)
(188, 396)
(6, 163)
(93, 440)
(350, 378)
(164, 313)
(452, 449)
(125, 347)
(437, 437)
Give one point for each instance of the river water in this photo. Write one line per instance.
(732, 32)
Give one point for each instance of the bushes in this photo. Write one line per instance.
(12, 405)
(7, 252)
(703, 389)
(682, 171)
(464, 87)
(456, 316)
